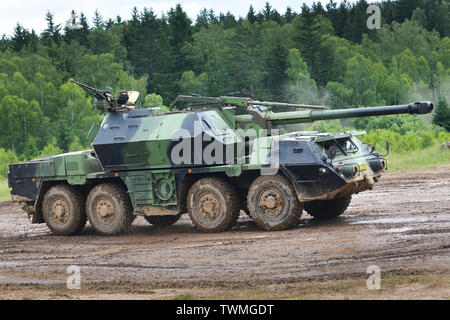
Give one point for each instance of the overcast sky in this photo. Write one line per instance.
(31, 13)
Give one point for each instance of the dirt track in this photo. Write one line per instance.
(403, 226)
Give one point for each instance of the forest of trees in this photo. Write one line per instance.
(311, 54)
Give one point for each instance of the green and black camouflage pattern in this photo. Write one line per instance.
(135, 148)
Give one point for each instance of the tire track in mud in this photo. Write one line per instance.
(403, 225)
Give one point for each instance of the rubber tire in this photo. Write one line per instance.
(75, 201)
(228, 201)
(328, 209)
(123, 212)
(290, 214)
(162, 221)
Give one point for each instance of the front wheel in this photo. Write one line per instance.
(273, 203)
(213, 205)
(109, 209)
(328, 209)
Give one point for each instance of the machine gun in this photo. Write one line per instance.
(104, 100)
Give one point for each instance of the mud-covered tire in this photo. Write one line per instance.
(109, 209)
(63, 210)
(273, 203)
(328, 209)
(213, 205)
(162, 221)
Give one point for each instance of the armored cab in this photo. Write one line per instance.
(211, 157)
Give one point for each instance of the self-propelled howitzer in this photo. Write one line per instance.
(212, 157)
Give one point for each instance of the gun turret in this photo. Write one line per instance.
(104, 100)
(260, 112)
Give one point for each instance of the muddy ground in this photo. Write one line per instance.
(402, 226)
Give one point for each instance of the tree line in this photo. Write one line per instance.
(312, 54)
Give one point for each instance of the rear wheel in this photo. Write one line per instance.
(213, 205)
(162, 221)
(273, 203)
(328, 209)
(109, 209)
(63, 210)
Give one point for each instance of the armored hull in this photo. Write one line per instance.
(145, 138)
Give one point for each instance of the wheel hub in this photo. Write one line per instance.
(208, 206)
(60, 211)
(271, 202)
(105, 211)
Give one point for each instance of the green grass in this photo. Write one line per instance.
(4, 190)
(184, 296)
(418, 159)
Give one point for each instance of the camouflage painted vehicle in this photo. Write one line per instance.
(195, 160)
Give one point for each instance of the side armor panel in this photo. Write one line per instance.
(149, 190)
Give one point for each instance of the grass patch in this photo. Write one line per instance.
(428, 281)
(393, 286)
(418, 159)
(4, 190)
(184, 296)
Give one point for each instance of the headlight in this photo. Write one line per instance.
(348, 171)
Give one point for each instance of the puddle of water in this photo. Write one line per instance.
(8, 264)
(434, 184)
(423, 236)
(390, 220)
(418, 201)
(395, 230)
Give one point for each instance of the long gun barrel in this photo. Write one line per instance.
(316, 115)
(265, 117)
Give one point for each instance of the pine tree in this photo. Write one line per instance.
(180, 32)
(437, 15)
(277, 64)
(251, 15)
(357, 21)
(247, 67)
(289, 15)
(32, 41)
(5, 43)
(341, 22)
(109, 24)
(227, 20)
(84, 29)
(317, 9)
(98, 20)
(267, 12)
(405, 8)
(19, 38)
(52, 33)
(73, 29)
(311, 35)
(204, 18)
(441, 115)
